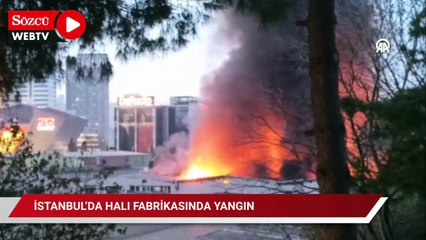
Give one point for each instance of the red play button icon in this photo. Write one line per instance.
(71, 24)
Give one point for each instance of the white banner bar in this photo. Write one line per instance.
(7, 205)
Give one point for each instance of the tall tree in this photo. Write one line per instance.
(329, 130)
(129, 25)
(72, 146)
(387, 155)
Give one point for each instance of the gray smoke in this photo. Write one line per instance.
(172, 155)
(265, 76)
(264, 84)
(267, 73)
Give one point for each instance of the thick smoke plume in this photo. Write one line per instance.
(172, 156)
(256, 120)
(251, 113)
(250, 99)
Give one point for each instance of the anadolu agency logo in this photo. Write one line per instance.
(40, 26)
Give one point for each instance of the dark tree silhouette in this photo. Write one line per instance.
(72, 146)
(329, 130)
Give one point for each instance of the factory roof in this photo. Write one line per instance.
(132, 179)
(103, 154)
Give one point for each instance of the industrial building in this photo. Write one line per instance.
(96, 160)
(145, 182)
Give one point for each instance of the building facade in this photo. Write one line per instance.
(186, 108)
(87, 91)
(90, 142)
(37, 94)
(165, 123)
(180, 116)
(140, 126)
(134, 119)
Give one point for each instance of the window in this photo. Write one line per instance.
(90, 189)
(41, 90)
(113, 189)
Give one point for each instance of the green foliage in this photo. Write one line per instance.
(394, 136)
(418, 24)
(416, 52)
(400, 123)
(267, 11)
(134, 27)
(26, 172)
(129, 25)
(404, 117)
(410, 223)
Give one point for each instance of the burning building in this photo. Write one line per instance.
(256, 117)
(129, 181)
(255, 107)
(46, 128)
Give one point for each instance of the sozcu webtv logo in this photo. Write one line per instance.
(40, 26)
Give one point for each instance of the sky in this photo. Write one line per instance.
(173, 74)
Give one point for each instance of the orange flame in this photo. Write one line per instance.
(218, 147)
(11, 139)
(357, 82)
(202, 169)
